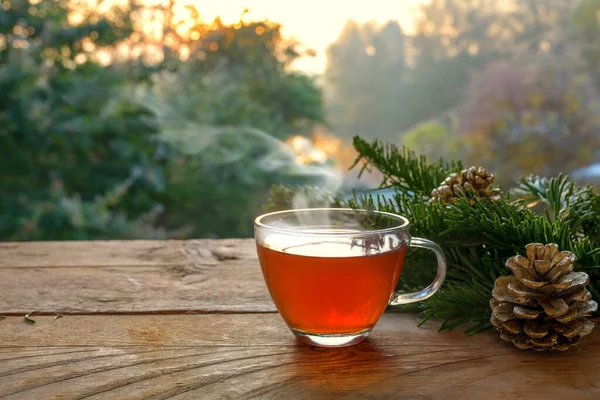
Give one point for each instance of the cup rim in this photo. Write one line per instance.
(259, 224)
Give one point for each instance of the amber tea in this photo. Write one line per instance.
(328, 288)
(332, 272)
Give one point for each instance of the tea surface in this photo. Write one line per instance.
(330, 287)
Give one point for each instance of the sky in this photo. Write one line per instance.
(315, 23)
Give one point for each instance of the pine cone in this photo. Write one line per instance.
(544, 304)
(474, 179)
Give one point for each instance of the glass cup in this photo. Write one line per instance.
(332, 272)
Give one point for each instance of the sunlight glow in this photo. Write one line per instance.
(315, 23)
(322, 147)
(306, 152)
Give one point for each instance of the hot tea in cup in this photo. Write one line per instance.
(332, 272)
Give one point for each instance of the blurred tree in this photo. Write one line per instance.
(258, 57)
(86, 149)
(434, 140)
(434, 88)
(374, 97)
(539, 27)
(366, 67)
(518, 120)
(447, 28)
(67, 159)
(586, 23)
(222, 113)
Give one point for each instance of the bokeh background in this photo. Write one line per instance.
(124, 119)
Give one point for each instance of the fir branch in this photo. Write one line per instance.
(479, 263)
(418, 270)
(587, 253)
(402, 169)
(459, 304)
(426, 219)
(576, 204)
(584, 216)
(505, 224)
(556, 193)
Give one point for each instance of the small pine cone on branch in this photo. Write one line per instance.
(544, 305)
(472, 180)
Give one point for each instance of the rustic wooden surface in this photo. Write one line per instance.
(132, 277)
(193, 320)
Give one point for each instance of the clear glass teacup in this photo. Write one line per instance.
(332, 272)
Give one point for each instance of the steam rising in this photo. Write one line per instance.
(181, 118)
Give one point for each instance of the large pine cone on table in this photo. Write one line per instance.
(544, 305)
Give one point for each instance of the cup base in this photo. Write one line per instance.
(333, 340)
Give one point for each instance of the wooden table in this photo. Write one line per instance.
(193, 320)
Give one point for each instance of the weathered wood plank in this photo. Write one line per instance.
(132, 277)
(124, 253)
(255, 356)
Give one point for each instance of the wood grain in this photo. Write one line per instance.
(255, 356)
(193, 320)
(132, 277)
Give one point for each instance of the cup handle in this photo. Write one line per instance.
(405, 298)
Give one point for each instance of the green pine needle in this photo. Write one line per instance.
(402, 169)
(28, 318)
(556, 193)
